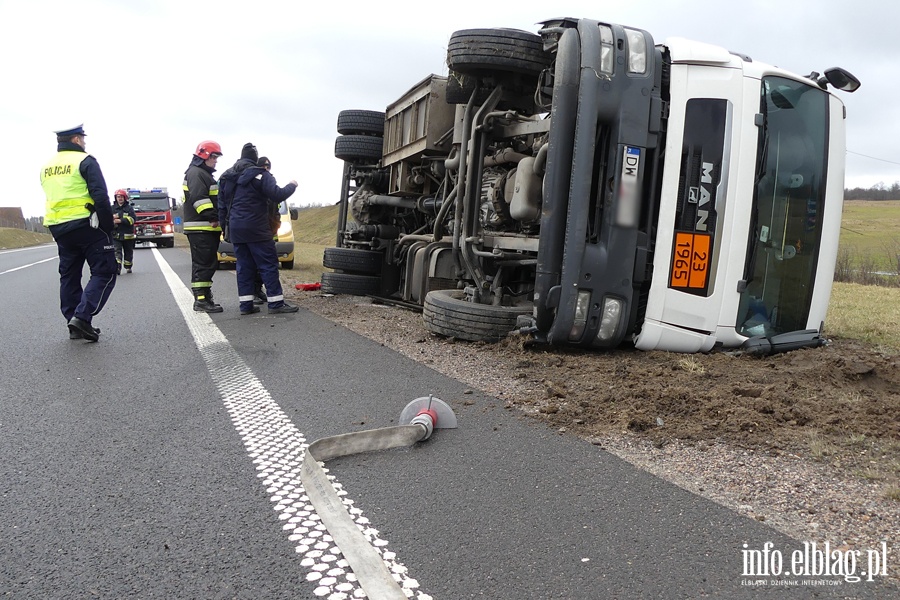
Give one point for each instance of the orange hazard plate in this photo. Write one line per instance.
(690, 261)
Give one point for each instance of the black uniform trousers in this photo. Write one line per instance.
(204, 257)
(76, 247)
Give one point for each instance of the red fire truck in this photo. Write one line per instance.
(153, 209)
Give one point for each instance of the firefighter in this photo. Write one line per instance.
(123, 234)
(80, 219)
(201, 223)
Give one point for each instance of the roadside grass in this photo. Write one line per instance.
(690, 364)
(19, 238)
(317, 226)
(820, 447)
(865, 312)
(307, 262)
(314, 230)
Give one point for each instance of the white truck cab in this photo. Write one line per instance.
(750, 216)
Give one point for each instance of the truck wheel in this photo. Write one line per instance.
(351, 122)
(353, 260)
(477, 50)
(288, 264)
(354, 285)
(447, 313)
(365, 149)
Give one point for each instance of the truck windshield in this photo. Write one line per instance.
(789, 199)
(150, 204)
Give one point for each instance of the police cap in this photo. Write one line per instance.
(77, 130)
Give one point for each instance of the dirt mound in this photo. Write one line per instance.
(844, 396)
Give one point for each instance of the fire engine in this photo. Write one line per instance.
(153, 209)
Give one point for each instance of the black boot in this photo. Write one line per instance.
(259, 296)
(203, 301)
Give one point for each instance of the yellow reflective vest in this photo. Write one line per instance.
(65, 188)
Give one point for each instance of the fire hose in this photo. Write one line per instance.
(418, 420)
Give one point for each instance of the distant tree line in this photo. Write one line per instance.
(35, 224)
(29, 224)
(879, 191)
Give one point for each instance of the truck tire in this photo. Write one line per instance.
(447, 313)
(350, 284)
(350, 122)
(478, 50)
(288, 264)
(353, 260)
(364, 149)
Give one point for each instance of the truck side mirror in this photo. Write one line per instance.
(295, 214)
(841, 79)
(173, 203)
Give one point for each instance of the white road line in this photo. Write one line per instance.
(29, 265)
(27, 248)
(277, 447)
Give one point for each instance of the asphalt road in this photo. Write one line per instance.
(161, 462)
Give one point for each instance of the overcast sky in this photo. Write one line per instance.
(151, 78)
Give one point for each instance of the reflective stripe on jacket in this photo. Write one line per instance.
(124, 230)
(65, 188)
(200, 194)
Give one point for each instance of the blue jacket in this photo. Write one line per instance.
(248, 215)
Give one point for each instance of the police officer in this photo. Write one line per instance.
(80, 219)
(201, 223)
(123, 234)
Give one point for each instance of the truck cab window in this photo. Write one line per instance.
(788, 202)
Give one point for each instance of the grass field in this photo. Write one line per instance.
(870, 232)
(866, 313)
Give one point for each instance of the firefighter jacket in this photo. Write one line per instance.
(200, 196)
(249, 214)
(124, 229)
(75, 188)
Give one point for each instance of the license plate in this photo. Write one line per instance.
(690, 261)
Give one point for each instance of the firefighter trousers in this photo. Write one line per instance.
(204, 257)
(124, 253)
(95, 247)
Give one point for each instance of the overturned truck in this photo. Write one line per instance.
(593, 188)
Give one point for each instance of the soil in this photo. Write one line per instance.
(838, 404)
